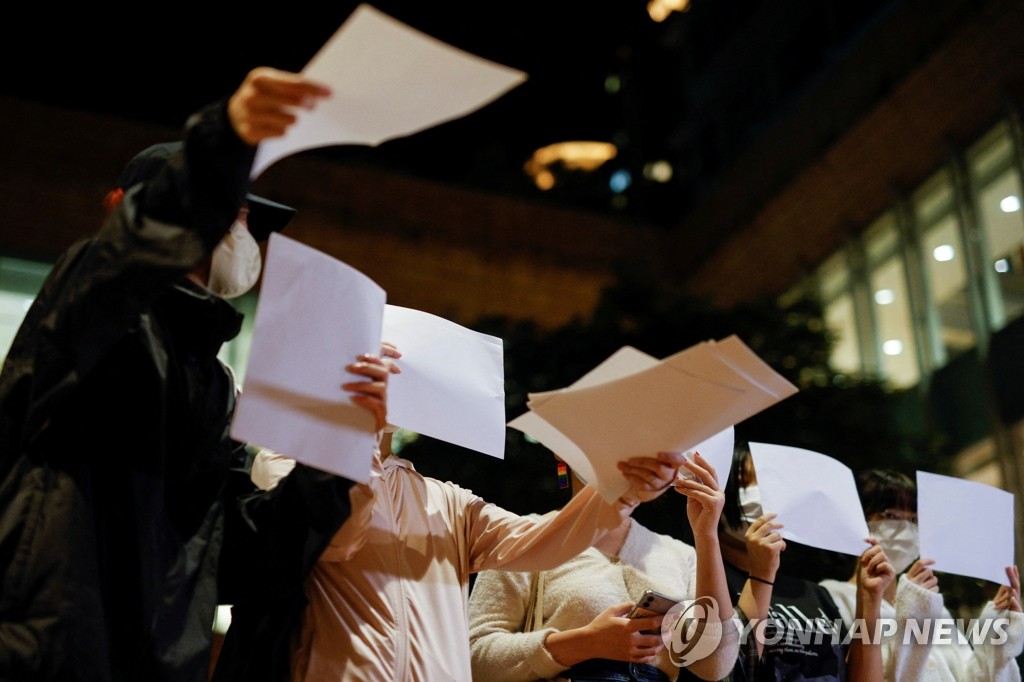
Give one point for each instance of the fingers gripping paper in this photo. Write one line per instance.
(633, 405)
(387, 80)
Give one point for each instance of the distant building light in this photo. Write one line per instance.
(885, 296)
(944, 253)
(612, 84)
(892, 347)
(1010, 204)
(620, 181)
(659, 10)
(1002, 265)
(572, 155)
(659, 171)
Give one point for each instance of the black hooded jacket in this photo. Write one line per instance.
(114, 446)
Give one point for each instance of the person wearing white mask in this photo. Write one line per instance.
(889, 499)
(795, 630)
(114, 410)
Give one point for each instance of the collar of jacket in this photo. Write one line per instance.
(197, 318)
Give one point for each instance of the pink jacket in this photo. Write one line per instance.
(388, 599)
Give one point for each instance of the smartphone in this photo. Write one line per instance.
(651, 603)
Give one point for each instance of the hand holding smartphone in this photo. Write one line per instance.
(651, 603)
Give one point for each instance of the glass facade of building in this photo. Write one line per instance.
(935, 277)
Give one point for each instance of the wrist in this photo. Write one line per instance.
(768, 572)
(566, 646)
(630, 501)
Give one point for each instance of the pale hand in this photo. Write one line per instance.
(612, 635)
(704, 497)
(921, 574)
(1008, 598)
(874, 572)
(764, 545)
(264, 104)
(649, 477)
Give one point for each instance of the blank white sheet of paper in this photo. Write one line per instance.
(315, 315)
(966, 527)
(669, 407)
(718, 451)
(452, 385)
(602, 473)
(387, 80)
(814, 495)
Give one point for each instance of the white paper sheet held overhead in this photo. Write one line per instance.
(315, 315)
(814, 495)
(671, 406)
(387, 80)
(718, 451)
(966, 527)
(602, 474)
(634, 405)
(452, 385)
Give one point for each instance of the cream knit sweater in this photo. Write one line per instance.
(955, 660)
(574, 594)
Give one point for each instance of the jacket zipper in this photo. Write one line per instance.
(401, 618)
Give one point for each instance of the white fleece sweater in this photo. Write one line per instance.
(574, 594)
(945, 656)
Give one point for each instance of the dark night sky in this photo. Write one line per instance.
(158, 63)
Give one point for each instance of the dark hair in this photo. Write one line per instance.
(882, 489)
(732, 514)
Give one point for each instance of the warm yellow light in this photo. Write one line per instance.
(659, 171)
(574, 155)
(659, 10)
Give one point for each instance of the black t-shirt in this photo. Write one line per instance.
(803, 639)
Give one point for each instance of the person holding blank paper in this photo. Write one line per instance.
(889, 499)
(583, 632)
(795, 629)
(114, 409)
(388, 597)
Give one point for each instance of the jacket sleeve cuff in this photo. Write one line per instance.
(916, 602)
(1014, 624)
(541, 662)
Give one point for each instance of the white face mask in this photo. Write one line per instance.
(750, 504)
(750, 511)
(899, 539)
(236, 263)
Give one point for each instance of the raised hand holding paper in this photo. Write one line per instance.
(655, 406)
(387, 80)
(814, 495)
(603, 474)
(315, 315)
(966, 527)
(718, 451)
